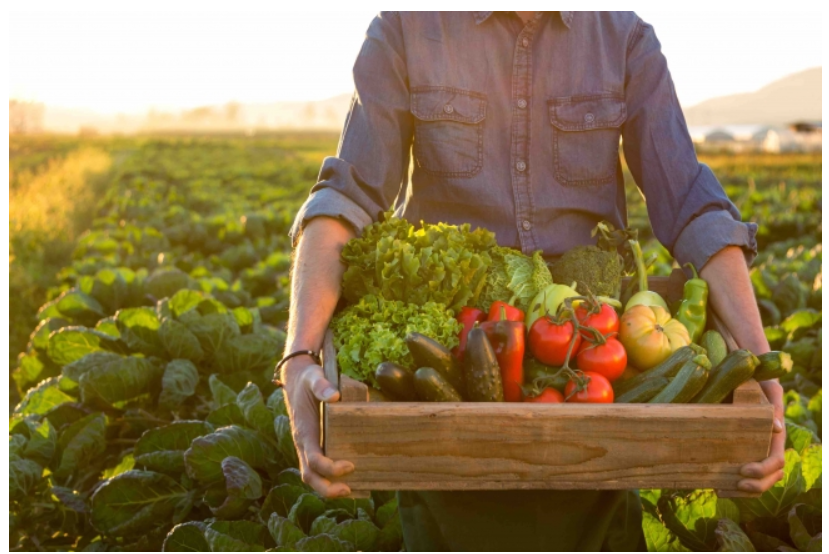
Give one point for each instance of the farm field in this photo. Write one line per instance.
(148, 311)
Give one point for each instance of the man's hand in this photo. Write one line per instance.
(761, 476)
(306, 387)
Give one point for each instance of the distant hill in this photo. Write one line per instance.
(792, 98)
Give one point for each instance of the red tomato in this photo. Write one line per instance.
(547, 396)
(598, 390)
(605, 322)
(549, 341)
(609, 359)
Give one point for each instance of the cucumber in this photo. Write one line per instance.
(430, 353)
(481, 370)
(643, 392)
(432, 386)
(688, 382)
(396, 381)
(773, 365)
(715, 346)
(737, 368)
(668, 368)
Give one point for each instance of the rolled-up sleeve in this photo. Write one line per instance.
(689, 211)
(372, 159)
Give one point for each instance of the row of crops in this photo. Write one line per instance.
(148, 418)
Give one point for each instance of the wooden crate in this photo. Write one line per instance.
(494, 446)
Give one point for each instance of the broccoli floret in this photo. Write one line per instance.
(592, 268)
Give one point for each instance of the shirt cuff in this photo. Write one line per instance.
(709, 233)
(330, 203)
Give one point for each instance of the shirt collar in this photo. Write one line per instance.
(480, 17)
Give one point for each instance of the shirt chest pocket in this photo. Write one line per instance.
(586, 131)
(448, 130)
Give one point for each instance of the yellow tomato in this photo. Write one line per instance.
(650, 335)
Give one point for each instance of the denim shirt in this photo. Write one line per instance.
(477, 117)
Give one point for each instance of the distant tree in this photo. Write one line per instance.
(25, 117)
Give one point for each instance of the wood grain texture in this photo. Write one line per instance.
(352, 390)
(476, 446)
(749, 393)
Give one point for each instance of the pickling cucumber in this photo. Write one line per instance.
(432, 386)
(715, 346)
(481, 370)
(737, 368)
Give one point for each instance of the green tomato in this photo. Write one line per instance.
(548, 301)
(646, 298)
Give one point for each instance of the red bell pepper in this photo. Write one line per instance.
(507, 339)
(500, 309)
(468, 317)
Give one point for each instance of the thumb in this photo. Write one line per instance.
(322, 388)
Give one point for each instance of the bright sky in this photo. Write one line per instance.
(119, 62)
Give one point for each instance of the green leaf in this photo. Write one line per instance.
(229, 414)
(386, 513)
(276, 402)
(779, 499)
(323, 543)
(178, 341)
(210, 306)
(213, 331)
(204, 457)
(801, 319)
(120, 381)
(731, 538)
(692, 518)
(360, 533)
(93, 360)
(80, 443)
(187, 537)
(135, 502)
(804, 524)
(391, 533)
(43, 440)
(222, 394)
(244, 318)
(281, 499)
(323, 524)
(658, 537)
(127, 463)
(139, 330)
(39, 338)
(162, 449)
(71, 499)
(284, 532)
(253, 408)
(165, 282)
(73, 343)
(241, 480)
(247, 353)
(766, 543)
(32, 368)
(291, 476)
(350, 505)
(812, 466)
(305, 510)
(108, 326)
(24, 475)
(184, 301)
(77, 305)
(236, 536)
(285, 440)
(799, 437)
(44, 397)
(178, 383)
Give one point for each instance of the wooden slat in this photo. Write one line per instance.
(475, 446)
(749, 393)
(352, 390)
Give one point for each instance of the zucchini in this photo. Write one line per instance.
(428, 352)
(668, 368)
(643, 392)
(715, 346)
(688, 382)
(396, 381)
(432, 386)
(737, 368)
(481, 370)
(773, 365)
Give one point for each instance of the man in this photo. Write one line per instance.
(513, 121)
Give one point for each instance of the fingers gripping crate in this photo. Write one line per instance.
(495, 446)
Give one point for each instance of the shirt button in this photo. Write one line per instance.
(448, 108)
(589, 117)
(520, 166)
(522, 103)
(525, 42)
(526, 225)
